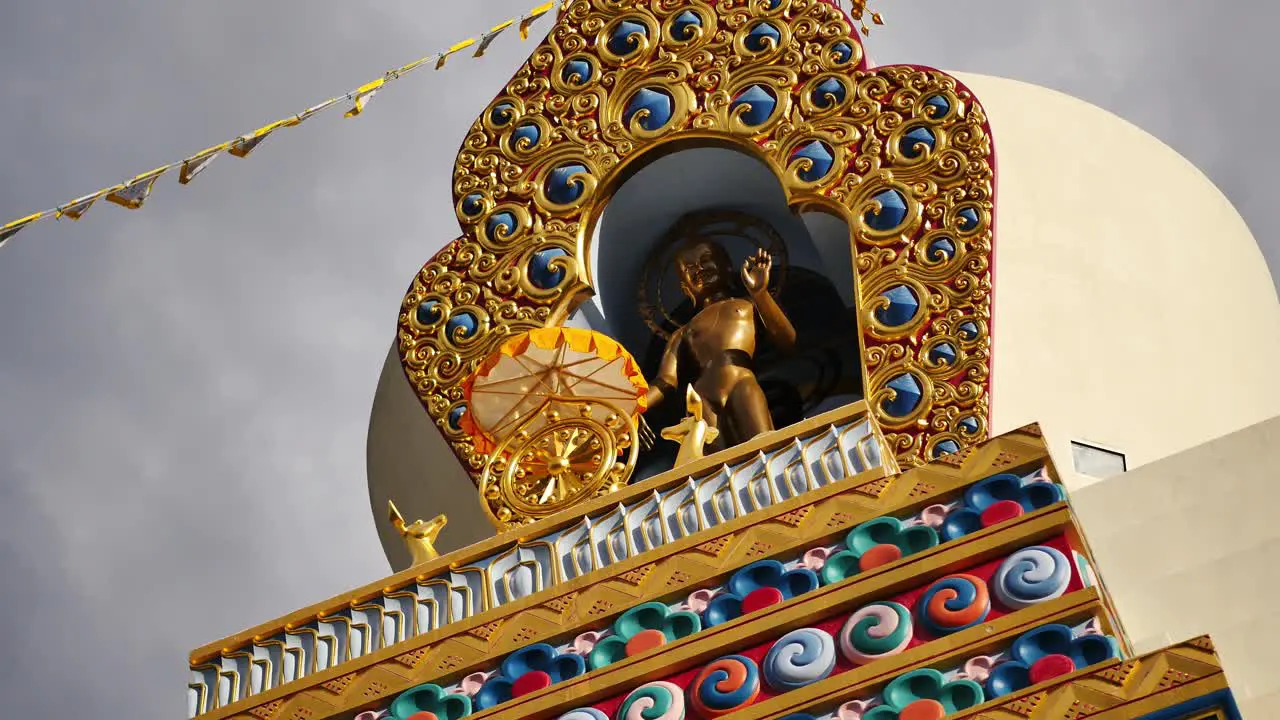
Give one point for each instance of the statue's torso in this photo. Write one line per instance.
(718, 333)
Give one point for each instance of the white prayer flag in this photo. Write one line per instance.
(488, 38)
(194, 165)
(78, 207)
(13, 228)
(136, 191)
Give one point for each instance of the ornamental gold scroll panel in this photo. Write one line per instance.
(903, 154)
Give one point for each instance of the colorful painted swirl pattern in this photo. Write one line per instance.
(954, 603)
(725, 685)
(654, 701)
(1031, 576)
(799, 658)
(876, 631)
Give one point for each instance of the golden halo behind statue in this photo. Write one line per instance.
(659, 293)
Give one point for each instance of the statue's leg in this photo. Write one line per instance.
(714, 419)
(748, 409)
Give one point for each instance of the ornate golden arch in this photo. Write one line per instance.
(902, 153)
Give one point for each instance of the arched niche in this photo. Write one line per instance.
(817, 281)
(903, 154)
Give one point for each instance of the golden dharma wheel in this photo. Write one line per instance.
(567, 453)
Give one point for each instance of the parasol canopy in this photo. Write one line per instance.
(548, 366)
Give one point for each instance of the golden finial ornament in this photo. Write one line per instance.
(419, 536)
(858, 11)
(693, 432)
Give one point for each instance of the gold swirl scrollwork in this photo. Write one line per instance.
(903, 153)
(568, 452)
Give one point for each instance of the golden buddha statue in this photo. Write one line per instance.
(721, 339)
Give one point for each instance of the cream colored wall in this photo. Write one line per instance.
(1133, 308)
(1189, 545)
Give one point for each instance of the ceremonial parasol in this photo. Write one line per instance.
(548, 365)
(555, 409)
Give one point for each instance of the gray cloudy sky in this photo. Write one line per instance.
(184, 390)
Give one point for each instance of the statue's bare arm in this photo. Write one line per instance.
(755, 275)
(668, 371)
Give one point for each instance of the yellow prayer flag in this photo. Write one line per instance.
(78, 207)
(245, 144)
(412, 66)
(194, 165)
(532, 17)
(135, 192)
(488, 38)
(314, 109)
(9, 230)
(453, 49)
(363, 95)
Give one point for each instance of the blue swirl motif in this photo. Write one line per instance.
(954, 603)
(725, 685)
(726, 606)
(1034, 645)
(1032, 575)
(584, 714)
(967, 518)
(801, 657)
(540, 657)
(653, 701)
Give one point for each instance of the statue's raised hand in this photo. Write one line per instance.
(755, 272)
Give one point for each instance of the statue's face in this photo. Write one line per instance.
(704, 269)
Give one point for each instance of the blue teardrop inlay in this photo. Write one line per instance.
(893, 210)
(455, 416)
(541, 272)
(967, 218)
(942, 354)
(902, 306)
(501, 224)
(938, 106)
(828, 93)
(502, 114)
(428, 313)
(682, 28)
(946, 447)
(562, 187)
(759, 37)
(843, 52)
(968, 330)
(658, 106)
(576, 72)
(820, 157)
(941, 250)
(916, 141)
(969, 425)
(473, 204)
(626, 37)
(907, 394)
(760, 102)
(462, 325)
(525, 137)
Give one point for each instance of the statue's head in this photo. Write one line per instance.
(704, 269)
